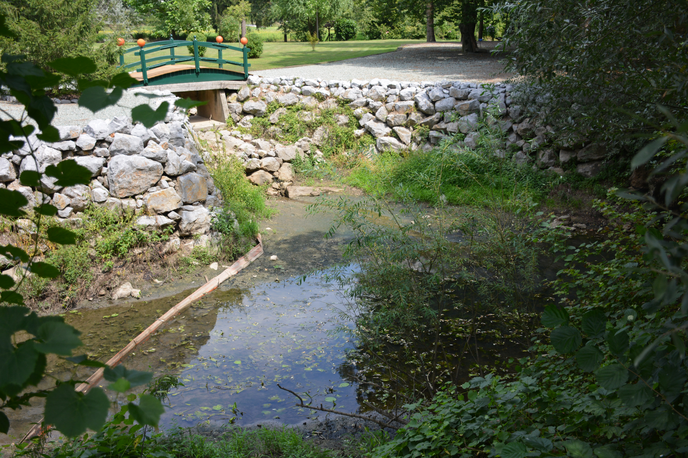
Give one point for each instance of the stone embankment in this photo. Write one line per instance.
(157, 172)
(393, 113)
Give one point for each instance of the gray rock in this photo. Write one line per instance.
(243, 94)
(377, 93)
(98, 129)
(288, 99)
(79, 196)
(154, 223)
(101, 152)
(459, 93)
(435, 137)
(68, 145)
(235, 108)
(163, 201)
(525, 129)
(86, 142)
(592, 152)
(93, 164)
(436, 94)
(155, 152)
(286, 172)
(60, 201)
(468, 123)
(286, 153)
(424, 103)
(565, 155)
(404, 107)
(99, 195)
(274, 117)
(359, 103)
(65, 212)
(406, 94)
(452, 127)
(445, 104)
(252, 165)
(430, 121)
(520, 158)
(246, 122)
(396, 119)
(404, 134)
(389, 144)
(139, 130)
(270, 164)
(342, 120)
(260, 178)
(546, 158)
(7, 171)
(466, 108)
(414, 118)
(320, 135)
(352, 94)
(589, 169)
(192, 188)
(68, 132)
(377, 129)
(120, 124)
(161, 131)
(481, 95)
(365, 119)
(381, 114)
(131, 175)
(471, 140)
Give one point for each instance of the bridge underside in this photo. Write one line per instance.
(209, 86)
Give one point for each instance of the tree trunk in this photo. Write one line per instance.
(317, 24)
(284, 26)
(430, 22)
(480, 29)
(468, 42)
(243, 27)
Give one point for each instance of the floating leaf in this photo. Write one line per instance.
(343, 385)
(237, 362)
(330, 399)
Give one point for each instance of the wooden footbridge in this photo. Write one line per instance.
(159, 67)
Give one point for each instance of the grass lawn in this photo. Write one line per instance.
(280, 54)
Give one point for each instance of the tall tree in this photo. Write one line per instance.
(176, 17)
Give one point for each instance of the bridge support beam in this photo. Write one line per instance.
(216, 108)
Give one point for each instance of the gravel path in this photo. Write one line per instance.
(424, 62)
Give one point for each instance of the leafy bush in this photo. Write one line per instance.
(345, 29)
(255, 45)
(230, 28)
(199, 36)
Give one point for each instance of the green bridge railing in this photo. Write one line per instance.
(146, 64)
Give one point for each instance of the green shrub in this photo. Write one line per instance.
(230, 28)
(345, 29)
(255, 45)
(197, 35)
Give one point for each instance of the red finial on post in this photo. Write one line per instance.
(120, 41)
(219, 39)
(244, 41)
(141, 42)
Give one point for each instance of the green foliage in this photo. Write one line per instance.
(255, 45)
(599, 88)
(23, 359)
(198, 36)
(345, 29)
(312, 39)
(230, 28)
(175, 17)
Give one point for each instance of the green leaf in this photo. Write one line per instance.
(4, 30)
(659, 286)
(554, 316)
(13, 252)
(147, 116)
(49, 134)
(148, 411)
(46, 210)
(69, 173)
(636, 395)
(539, 443)
(82, 360)
(135, 378)
(122, 385)
(612, 377)
(4, 423)
(188, 103)
(671, 380)
(59, 338)
(607, 451)
(578, 449)
(123, 80)
(17, 363)
(648, 152)
(6, 282)
(566, 339)
(12, 297)
(61, 236)
(44, 270)
(73, 66)
(30, 178)
(330, 399)
(594, 322)
(96, 98)
(23, 69)
(514, 450)
(618, 342)
(72, 413)
(589, 358)
(11, 202)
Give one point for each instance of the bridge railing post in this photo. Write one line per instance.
(245, 50)
(172, 57)
(219, 56)
(196, 57)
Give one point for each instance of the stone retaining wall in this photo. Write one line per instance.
(391, 112)
(156, 171)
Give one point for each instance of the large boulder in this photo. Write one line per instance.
(377, 129)
(192, 188)
(389, 144)
(131, 175)
(7, 171)
(126, 144)
(270, 164)
(286, 153)
(163, 201)
(466, 108)
(592, 152)
(194, 222)
(424, 103)
(255, 108)
(468, 123)
(445, 104)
